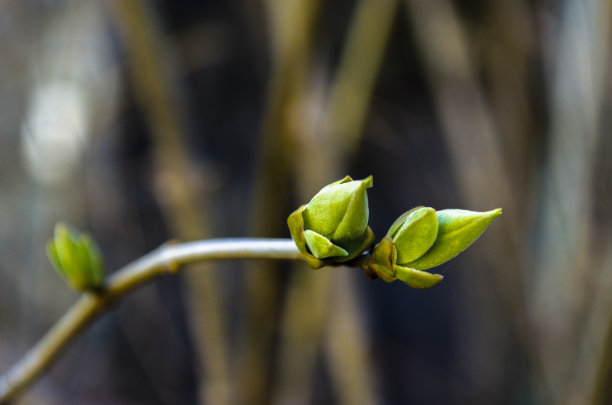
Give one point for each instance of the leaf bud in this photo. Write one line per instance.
(333, 226)
(76, 258)
(423, 238)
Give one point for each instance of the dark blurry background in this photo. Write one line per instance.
(148, 121)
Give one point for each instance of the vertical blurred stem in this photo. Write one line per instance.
(156, 91)
(477, 157)
(351, 91)
(564, 251)
(574, 273)
(324, 158)
(598, 390)
(292, 24)
(347, 347)
(592, 369)
(506, 63)
(301, 334)
(467, 126)
(347, 111)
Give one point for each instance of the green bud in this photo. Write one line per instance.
(423, 238)
(333, 226)
(340, 210)
(76, 257)
(457, 229)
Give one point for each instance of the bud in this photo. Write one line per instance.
(457, 229)
(423, 238)
(333, 226)
(76, 258)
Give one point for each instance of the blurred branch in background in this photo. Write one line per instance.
(479, 162)
(328, 135)
(556, 302)
(58, 93)
(155, 81)
(165, 260)
(516, 92)
(291, 29)
(567, 273)
(592, 373)
(354, 82)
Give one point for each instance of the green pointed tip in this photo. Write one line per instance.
(321, 247)
(346, 179)
(457, 229)
(60, 232)
(66, 233)
(368, 182)
(496, 212)
(421, 280)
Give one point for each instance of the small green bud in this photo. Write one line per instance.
(333, 226)
(423, 238)
(457, 229)
(76, 258)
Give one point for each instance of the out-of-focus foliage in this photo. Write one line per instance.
(145, 121)
(76, 257)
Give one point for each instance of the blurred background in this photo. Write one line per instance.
(145, 121)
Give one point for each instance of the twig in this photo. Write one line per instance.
(293, 26)
(155, 79)
(321, 157)
(165, 260)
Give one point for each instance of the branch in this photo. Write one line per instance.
(165, 260)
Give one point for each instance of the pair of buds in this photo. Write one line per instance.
(333, 229)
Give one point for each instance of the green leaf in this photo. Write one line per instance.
(296, 228)
(95, 261)
(54, 258)
(382, 260)
(416, 278)
(399, 221)
(457, 229)
(356, 217)
(66, 249)
(415, 234)
(321, 247)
